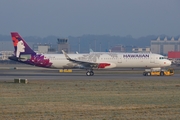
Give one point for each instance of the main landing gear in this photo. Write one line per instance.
(89, 73)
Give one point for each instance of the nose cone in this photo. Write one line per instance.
(167, 63)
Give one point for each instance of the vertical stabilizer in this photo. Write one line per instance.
(20, 46)
(24, 54)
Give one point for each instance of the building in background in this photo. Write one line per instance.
(118, 48)
(129, 48)
(5, 54)
(163, 46)
(63, 45)
(44, 48)
(174, 56)
(122, 48)
(145, 50)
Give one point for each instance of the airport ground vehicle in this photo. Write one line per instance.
(158, 72)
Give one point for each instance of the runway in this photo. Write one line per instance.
(46, 74)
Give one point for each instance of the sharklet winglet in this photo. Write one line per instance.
(65, 54)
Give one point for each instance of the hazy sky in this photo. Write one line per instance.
(77, 17)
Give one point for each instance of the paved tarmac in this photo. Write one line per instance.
(47, 74)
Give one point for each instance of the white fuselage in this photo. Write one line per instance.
(119, 60)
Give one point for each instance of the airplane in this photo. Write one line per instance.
(90, 61)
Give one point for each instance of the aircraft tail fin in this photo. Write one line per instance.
(20, 46)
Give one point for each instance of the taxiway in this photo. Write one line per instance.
(46, 74)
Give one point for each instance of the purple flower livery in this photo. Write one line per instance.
(24, 54)
(40, 60)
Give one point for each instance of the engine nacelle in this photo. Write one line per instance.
(106, 65)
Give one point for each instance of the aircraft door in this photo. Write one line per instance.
(119, 59)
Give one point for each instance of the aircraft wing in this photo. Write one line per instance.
(85, 63)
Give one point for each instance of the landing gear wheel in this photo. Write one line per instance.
(144, 73)
(92, 73)
(89, 73)
(161, 73)
(148, 74)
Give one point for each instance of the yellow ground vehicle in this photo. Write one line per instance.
(160, 72)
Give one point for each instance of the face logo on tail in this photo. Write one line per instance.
(19, 46)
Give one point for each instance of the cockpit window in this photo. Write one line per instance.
(161, 58)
